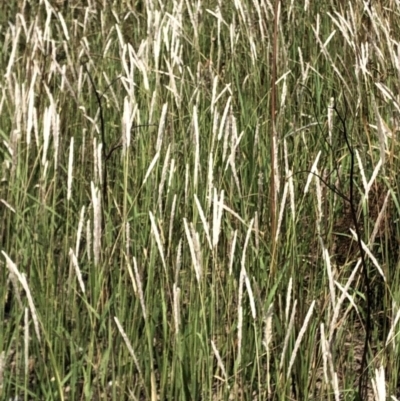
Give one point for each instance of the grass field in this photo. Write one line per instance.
(199, 200)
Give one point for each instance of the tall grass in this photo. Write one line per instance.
(144, 254)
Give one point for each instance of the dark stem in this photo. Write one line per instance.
(103, 136)
(367, 282)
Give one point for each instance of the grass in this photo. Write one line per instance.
(145, 253)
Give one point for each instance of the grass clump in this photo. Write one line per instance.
(199, 201)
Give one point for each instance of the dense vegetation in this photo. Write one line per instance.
(199, 200)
